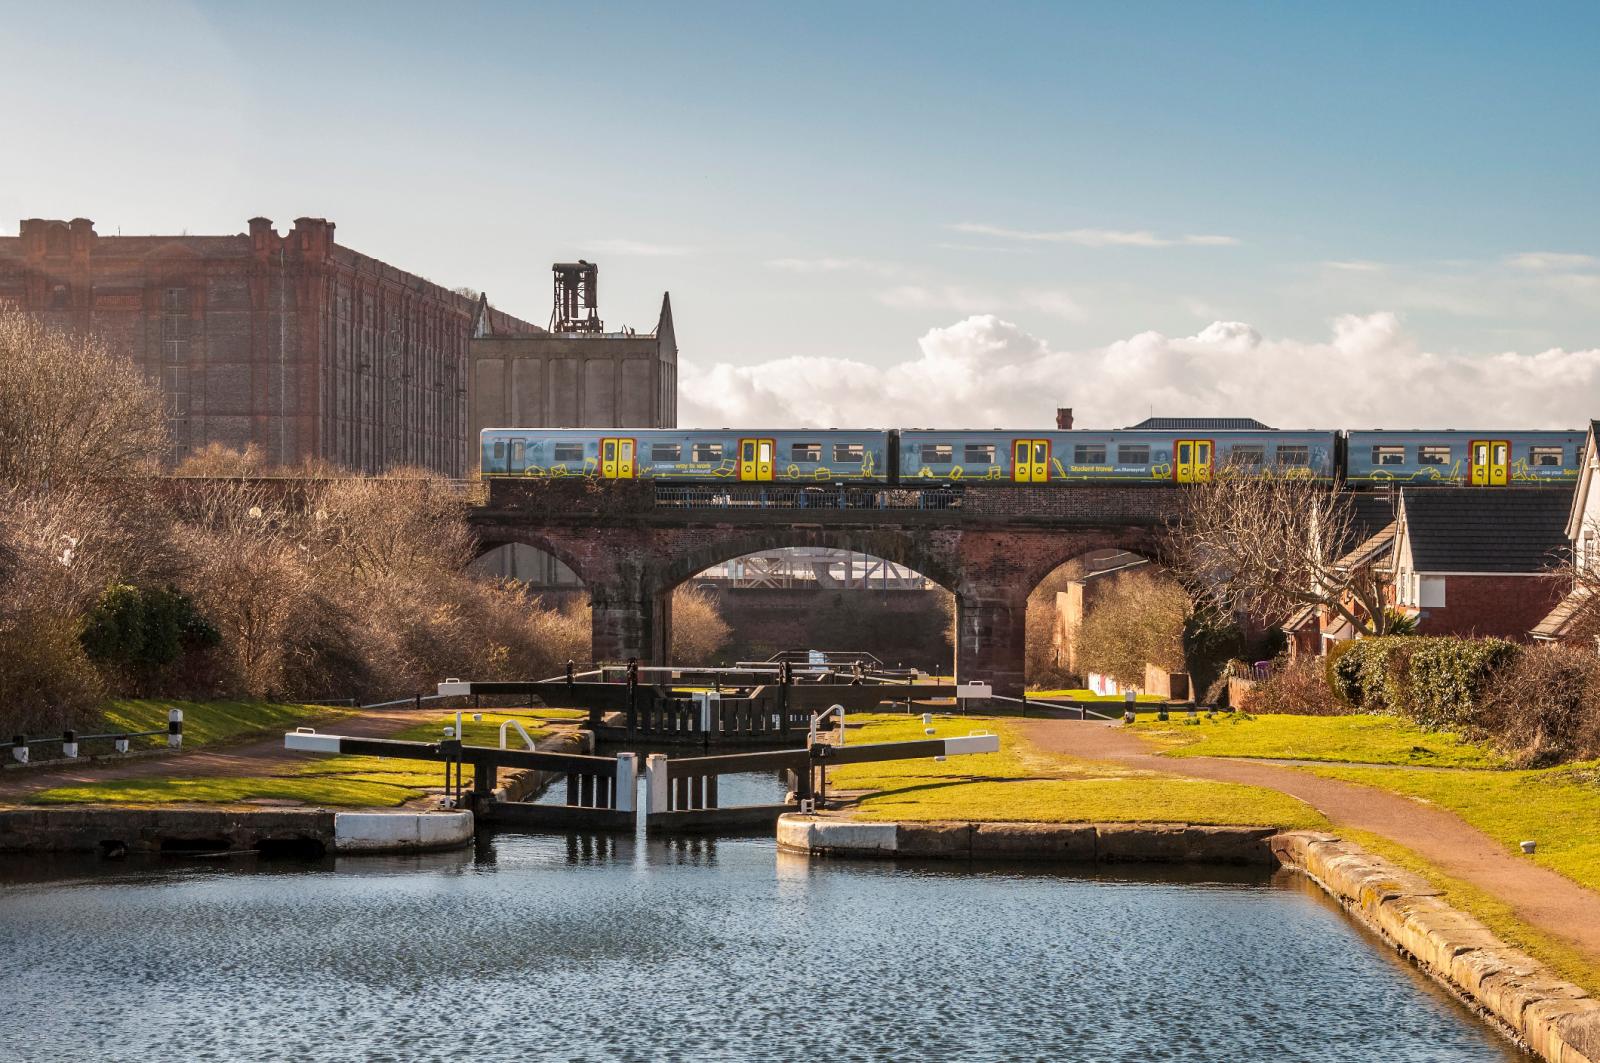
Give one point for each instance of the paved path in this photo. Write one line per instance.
(1540, 897)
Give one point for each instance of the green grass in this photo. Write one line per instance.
(1089, 695)
(1351, 739)
(209, 722)
(1024, 784)
(1559, 808)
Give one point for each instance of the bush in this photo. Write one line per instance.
(1435, 681)
(1298, 686)
(145, 629)
(698, 630)
(1545, 707)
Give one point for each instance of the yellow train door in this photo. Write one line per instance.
(616, 459)
(756, 459)
(1491, 463)
(1030, 461)
(1191, 461)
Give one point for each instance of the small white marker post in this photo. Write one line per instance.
(69, 744)
(627, 771)
(655, 783)
(1128, 698)
(175, 729)
(19, 749)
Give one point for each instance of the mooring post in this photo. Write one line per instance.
(627, 772)
(655, 784)
(175, 728)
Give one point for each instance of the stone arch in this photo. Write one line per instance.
(530, 537)
(889, 545)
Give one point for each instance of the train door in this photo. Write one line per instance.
(616, 459)
(1491, 463)
(756, 459)
(1191, 461)
(518, 461)
(1030, 460)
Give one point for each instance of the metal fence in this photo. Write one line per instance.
(827, 496)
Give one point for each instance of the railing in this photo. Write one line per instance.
(21, 746)
(829, 496)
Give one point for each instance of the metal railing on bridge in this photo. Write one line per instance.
(821, 496)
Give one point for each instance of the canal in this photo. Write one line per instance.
(550, 947)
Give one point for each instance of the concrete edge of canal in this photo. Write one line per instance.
(1553, 1018)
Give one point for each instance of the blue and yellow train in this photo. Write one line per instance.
(923, 456)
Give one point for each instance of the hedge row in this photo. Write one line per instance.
(1439, 682)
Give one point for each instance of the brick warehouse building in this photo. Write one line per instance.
(295, 343)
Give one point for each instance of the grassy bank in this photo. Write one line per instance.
(1023, 784)
(1364, 739)
(211, 722)
(343, 781)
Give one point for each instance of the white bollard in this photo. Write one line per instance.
(69, 745)
(19, 750)
(655, 784)
(121, 745)
(627, 772)
(927, 723)
(175, 728)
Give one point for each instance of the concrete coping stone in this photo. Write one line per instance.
(400, 832)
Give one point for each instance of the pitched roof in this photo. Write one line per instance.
(1560, 622)
(1200, 424)
(1475, 529)
(1371, 548)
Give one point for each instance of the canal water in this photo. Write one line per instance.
(532, 947)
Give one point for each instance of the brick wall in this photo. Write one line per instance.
(1507, 606)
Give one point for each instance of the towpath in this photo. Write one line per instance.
(1552, 903)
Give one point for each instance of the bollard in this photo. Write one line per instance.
(627, 770)
(655, 784)
(175, 728)
(69, 744)
(19, 748)
(927, 723)
(121, 744)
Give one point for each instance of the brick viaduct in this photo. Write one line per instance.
(989, 550)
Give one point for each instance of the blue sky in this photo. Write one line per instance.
(856, 192)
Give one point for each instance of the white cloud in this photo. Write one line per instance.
(1545, 260)
(984, 371)
(635, 248)
(833, 265)
(1095, 237)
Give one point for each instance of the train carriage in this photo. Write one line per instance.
(1463, 457)
(687, 454)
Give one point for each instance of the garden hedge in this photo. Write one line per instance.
(1435, 681)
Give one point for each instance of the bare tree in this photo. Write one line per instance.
(1580, 570)
(70, 410)
(1138, 621)
(1266, 546)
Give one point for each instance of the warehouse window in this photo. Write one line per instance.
(1089, 454)
(1547, 457)
(1294, 455)
(567, 452)
(1433, 455)
(849, 453)
(707, 452)
(811, 452)
(1388, 455)
(937, 454)
(1133, 454)
(978, 454)
(666, 451)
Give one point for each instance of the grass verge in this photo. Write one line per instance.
(210, 722)
(1363, 739)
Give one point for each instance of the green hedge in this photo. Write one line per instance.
(1437, 682)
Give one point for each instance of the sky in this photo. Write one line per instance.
(900, 214)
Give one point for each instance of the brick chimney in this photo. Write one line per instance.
(1064, 417)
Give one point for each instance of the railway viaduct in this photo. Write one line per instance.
(633, 542)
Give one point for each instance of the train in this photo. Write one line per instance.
(912, 457)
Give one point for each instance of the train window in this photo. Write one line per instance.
(707, 452)
(1433, 455)
(499, 450)
(805, 452)
(978, 454)
(666, 451)
(1089, 454)
(1388, 455)
(1136, 454)
(1547, 457)
(938, 454)
(517, 450)
(567, 452)
(1294, 455)
(1246, 454)
(849, 453)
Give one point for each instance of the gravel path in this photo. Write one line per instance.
(1540, 897)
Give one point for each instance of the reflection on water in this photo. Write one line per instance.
(592, 947)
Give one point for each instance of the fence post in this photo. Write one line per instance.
(655, 784)
(19, 748)
(175, 728)
(627, 771)
(69, 744)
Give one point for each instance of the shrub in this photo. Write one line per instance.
(698, 630)
(1297, 686)
(146, 629)
(1545, 706)
(1434, 681)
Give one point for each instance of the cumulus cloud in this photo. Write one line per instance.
(984, 372)
(1095, 237)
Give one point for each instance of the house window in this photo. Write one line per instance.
(707, 452)
(567, 452)
(1089, 454)
(1546, 457)
(849, 453)
(978, 454)
(806, 452)
(666, 451)
(1430, 592)
(1247, 454)
(937, 453)
(1294, 455)
(1134, 454)
(1433, 455)
(1388, 455)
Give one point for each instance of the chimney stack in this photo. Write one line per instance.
(1064, 418)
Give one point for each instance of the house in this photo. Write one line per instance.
(1472, 562)
(1572, 620)
(1311, 629)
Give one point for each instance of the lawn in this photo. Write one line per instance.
(1559, 808)
(1363, 739)
(1089, 695)
(1023, 784)
(209, 722)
